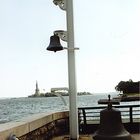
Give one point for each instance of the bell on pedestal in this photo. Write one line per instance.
(111, 127)
(54, 44)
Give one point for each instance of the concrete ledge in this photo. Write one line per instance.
(29, 124)
(18, 128)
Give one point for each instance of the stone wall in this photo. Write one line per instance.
(37, 127)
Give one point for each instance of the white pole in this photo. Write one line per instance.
(73, 113)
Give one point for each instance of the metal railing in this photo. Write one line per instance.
(91, 115)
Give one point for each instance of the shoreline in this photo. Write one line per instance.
(127, 98)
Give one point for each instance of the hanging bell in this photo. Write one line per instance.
(54, 44)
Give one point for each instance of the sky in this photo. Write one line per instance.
(106, 32)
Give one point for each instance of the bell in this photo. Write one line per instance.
(111, 127)
(54, 44)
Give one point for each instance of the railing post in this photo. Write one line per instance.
(131, 114)
(84, 116)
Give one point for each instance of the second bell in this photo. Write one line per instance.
(55, 44)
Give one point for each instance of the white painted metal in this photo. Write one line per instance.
(62, 34)
(73, 113)
(74, 133)
(60, 3)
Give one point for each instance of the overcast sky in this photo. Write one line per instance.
(106, 31)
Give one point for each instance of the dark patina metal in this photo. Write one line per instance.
(111, 127)
(54, 44)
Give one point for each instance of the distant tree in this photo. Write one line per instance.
(42, 95)
(121, 86)
(128, 87)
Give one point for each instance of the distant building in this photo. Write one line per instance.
(37, 92)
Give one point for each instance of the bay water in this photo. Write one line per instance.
(14, 109)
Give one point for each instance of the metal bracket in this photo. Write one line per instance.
(62, 34)
(60, 3)
(70, 49)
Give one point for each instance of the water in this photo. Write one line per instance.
(13, 109)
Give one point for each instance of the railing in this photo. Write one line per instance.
(91, 115)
